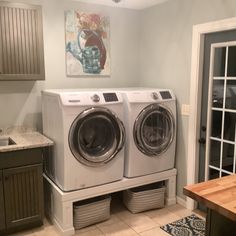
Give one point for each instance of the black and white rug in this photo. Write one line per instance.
(188, 226)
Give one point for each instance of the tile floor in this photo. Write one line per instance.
(123, 223)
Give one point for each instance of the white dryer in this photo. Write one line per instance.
(150, 124)
(88, 132)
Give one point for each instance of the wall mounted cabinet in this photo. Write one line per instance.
(21, 42)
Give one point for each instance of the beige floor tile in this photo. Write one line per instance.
(162, 216)
(124, 213)
(139, 222)
(155, 231)
(94, 232)
(153, 213)
(86, 229)
(113, 220)
(179, 210)
(48, 230)
(119, 229)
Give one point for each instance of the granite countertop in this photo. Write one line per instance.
(25, 141)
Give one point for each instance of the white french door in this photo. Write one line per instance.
(221, 115)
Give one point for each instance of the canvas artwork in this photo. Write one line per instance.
(87, 44)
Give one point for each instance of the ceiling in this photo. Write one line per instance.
(133, 4)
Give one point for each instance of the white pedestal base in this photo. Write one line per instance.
(59, 204)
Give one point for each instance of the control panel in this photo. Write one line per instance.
(110, 97)
(165, 95)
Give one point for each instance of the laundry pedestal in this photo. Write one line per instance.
(59, 204)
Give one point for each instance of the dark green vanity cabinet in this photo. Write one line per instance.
(2, 211)
(21, 190)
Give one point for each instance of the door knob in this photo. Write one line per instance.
(202, 140)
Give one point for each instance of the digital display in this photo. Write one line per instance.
(110, 97)
(165, 95)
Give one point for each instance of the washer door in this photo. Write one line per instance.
(154, 129)
(96, 136)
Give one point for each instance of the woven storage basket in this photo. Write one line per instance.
(145, 197)
(91, 211)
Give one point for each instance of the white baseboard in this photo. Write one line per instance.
(181, 202)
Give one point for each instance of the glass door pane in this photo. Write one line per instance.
(231, 71)
(218, 93)
(221, 138)
(219, 62)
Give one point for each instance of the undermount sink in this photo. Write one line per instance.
(6, 141)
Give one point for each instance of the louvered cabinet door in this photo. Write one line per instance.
(2, 207)
(21, 42)
(23, 190)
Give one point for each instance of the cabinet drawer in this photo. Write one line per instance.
(20, 158)
(23, 190)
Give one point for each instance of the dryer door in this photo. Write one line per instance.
(96, 136)
(154, 129)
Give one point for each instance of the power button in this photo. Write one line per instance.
(95, 98)
(155, 96)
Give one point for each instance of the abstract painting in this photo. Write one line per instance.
(87, 44)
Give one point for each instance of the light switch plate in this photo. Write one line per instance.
(185, 109)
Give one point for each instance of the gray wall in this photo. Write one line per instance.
(165, 56)
(148, 48)
(20, 102)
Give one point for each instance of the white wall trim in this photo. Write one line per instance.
(199, 32)
(181, 201)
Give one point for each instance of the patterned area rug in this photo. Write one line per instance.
(188, 226)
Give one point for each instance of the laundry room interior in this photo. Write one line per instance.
(142, 143)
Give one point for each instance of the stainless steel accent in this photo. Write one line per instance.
(154, 95)
(95, 98)
(117, 128)
(138, 129)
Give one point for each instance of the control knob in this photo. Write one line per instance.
(95, 98)
(154, 96)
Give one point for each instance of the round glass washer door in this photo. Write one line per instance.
(154, 129)
(96, 136)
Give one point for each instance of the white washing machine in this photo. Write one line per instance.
(150, 122)
(88, 133)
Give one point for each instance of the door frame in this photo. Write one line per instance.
(198, 36)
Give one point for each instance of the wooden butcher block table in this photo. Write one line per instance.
(219, 196)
